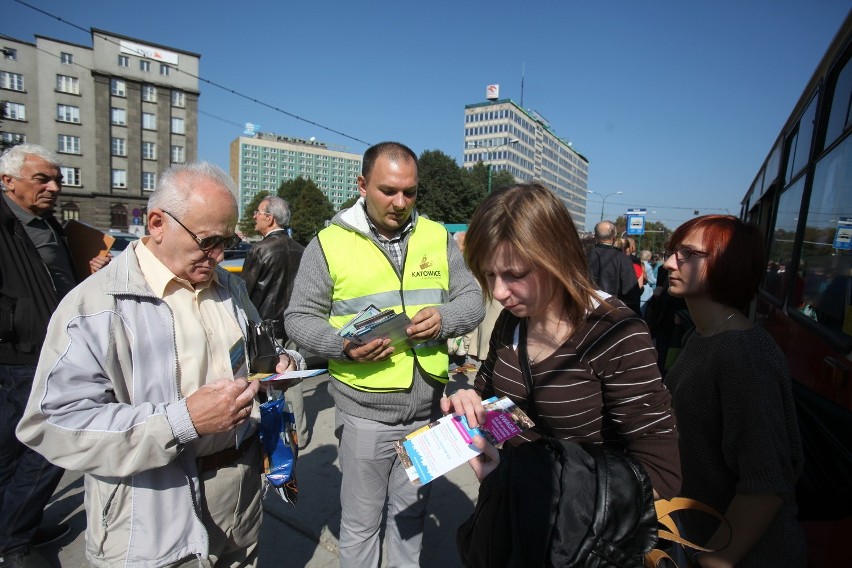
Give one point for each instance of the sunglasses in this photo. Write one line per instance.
(209, 243)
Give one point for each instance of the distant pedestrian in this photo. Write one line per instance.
(269, 271)
(650, 280)
(610, 269)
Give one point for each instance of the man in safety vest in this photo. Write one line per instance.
(381, 252)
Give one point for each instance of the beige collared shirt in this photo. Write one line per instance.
(205, 333)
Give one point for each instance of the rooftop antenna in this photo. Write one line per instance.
(523, 72)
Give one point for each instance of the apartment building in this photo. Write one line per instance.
(505, 136)
(118, 112)
(261, 161)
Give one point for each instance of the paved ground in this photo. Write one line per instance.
(304, 535)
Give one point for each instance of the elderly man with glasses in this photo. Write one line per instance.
(36, 271)
(142, 386)
(269, 271)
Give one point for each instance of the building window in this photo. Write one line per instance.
(144, 65)
(119, 178)
(9, 53)
(149, 93)
(178, 126)
(70, 211)
(71, 176)
(12, 138)
(118, 216)
(178, 99)
(149, 150)
(149, 181)
(68, 113)
(66, 84)
(178, 155)
(69, 144)
(118, 88)
(149, 121)
(15, 111)
(118, 116)
(12, 81)
(66, 58)
(123, 61)
(165, 69)
(119, 147)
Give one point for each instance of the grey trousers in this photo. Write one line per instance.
(372, 473)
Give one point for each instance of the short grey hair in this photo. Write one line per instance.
(175, 186)
(278, 208)
(13, 159)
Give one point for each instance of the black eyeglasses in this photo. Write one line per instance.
(209, 243)
(685, 253)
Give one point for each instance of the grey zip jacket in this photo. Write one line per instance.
(106, 402)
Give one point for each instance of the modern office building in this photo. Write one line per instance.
(118, 113)
(507, 137)
(261, 161)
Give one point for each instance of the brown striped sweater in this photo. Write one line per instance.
(601, 385)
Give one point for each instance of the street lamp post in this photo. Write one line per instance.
(603, 201)
(490, 150)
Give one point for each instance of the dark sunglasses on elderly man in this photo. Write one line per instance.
(209, 243)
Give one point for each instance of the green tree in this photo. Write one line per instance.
(291, 189)
(246, 224)
(309, 212)
(349, 202)
(442, 192)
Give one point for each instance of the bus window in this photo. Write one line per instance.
(839, 118)
(799, 142)
(827, 247)
(779, 269)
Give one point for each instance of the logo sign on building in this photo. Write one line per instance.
(492, 92)
(843, 236)
(636, 221)
(251, 129)
(148, 52)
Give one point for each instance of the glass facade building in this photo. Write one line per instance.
(507, 137)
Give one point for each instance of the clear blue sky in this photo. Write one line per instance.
(676, 103)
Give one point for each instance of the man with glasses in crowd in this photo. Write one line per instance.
(36, 271)
(140, 386)
(269, 271)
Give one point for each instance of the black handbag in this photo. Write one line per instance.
(559, 503)
(262, 346)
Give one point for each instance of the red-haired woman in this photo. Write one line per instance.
(732, 395)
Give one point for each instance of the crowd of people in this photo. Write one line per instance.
(135, 373)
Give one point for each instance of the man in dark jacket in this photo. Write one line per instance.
(269, 270)
(611, 269)
(36, 271)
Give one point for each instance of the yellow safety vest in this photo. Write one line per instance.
(363, 274)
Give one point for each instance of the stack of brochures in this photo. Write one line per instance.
(372, 323)
(435, 449)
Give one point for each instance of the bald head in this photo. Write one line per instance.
(605, 232)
